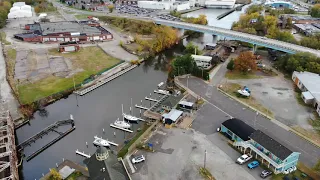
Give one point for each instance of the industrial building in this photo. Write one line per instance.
(307, 29)
(220, 4)
(202, 61)
(278, 4)
(301, 19)
(65, 31)
(309, 84)
(164, 5)
(262, 147)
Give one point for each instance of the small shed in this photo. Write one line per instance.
(185, 105)
(69, 47)
(172, 117)
(307, 97)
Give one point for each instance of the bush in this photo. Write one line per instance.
(230, 65)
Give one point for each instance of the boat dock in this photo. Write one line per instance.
(230, 11)
(161, 92)
(123, 129)
(45, 131)
(141, 107)
(82, 154)
(104, 81)
(150, 99)
(110, 142)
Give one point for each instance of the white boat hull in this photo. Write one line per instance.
(122, 124)
(244, 93)
(130, 118)
(100, 142)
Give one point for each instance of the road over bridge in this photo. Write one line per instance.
(244, 37)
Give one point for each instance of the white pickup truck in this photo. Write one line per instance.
(244, 158)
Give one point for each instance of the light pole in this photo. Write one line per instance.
(205, 159)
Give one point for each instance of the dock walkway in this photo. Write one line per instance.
(104, 81)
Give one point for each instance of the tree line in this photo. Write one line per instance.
(4, 11)
(253, 22)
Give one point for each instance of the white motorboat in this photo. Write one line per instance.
(130, 117)
(100, 142)
(122, 124)
(244, 92)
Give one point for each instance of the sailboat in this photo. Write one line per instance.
(122, 124)
(100, 142)
(129, 117)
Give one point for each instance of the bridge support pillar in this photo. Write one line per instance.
(254, 49)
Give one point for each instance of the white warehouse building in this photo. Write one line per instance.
(20, 10)
(220, 4)
(164, 5)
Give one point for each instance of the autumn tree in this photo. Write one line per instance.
(315, 11)
(55, 175)
(254, 9)
(269, 22)
(111, 7)
(245, 62)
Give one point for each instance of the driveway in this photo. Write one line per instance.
(232, 108)
(180, 153)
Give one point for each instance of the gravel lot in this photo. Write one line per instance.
(180, 153)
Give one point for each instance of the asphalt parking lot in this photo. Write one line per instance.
(179, 154)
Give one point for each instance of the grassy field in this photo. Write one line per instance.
(90, 59)
(82, 16)
(10, 63)
(231, 88)
(3, 38)
(205, 173)
(239, 75)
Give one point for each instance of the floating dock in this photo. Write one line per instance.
(150, 99)
(141, 107)
(163, 92)
(123, 129)
(45, 131)
(104, 81)
(230, 11)
(50, 143)
(82, 154)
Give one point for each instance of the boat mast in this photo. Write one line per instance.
(131, 111)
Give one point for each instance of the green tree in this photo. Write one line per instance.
(315, 11)
(311, 42)
(270, 22)
(245, 61)
(254, 9)
(111, 7)
(289, 23)
(230, 65)
(191, 49)
(54, 175)
(317, 167)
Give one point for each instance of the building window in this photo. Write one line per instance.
(229, 132)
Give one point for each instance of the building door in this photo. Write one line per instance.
(316, 105)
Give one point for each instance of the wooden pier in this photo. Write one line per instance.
(82, 154)
(123, 129)
(141, 107)
(150, 99)
(104, 81)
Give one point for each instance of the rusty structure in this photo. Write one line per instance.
(8, 155)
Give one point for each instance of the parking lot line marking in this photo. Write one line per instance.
(218, 108)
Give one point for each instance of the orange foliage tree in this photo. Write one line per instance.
(245, 62)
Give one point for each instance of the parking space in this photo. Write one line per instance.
(168, 17)
(135, 10)
(179, 154)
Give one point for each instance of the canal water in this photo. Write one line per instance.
(96, 111)
(212, 15)
(99, 108)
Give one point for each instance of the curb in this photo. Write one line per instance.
(273, 120)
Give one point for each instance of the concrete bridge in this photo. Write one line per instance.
(244, 37)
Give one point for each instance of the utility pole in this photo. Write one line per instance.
(205, 159)
(74, 88)
(255, 119)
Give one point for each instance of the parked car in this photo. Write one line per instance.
(138, 159)
(265, 173)
(243, 159)
(253, 164)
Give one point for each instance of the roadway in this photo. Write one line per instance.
(244, 37)
(228, 107)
